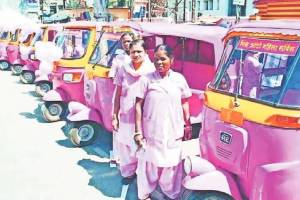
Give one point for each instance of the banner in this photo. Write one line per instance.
(269, 46)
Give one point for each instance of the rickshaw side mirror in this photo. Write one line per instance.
(32, 56)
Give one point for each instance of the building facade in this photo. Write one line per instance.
(220, 8)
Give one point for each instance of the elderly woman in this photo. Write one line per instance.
(161, 112)
(123, 113)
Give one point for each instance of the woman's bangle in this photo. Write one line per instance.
(136, 135)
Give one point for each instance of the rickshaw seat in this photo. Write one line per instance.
(177, 65)
(198, 75)
(195, 105)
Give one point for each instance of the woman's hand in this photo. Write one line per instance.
(188, 133)
(115, 124)
(139, 139)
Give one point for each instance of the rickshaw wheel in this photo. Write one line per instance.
(16, 69)
(4, 65)
(42, 88)
(53, 111)
(204, 195)
(27, 77)
(83, 133)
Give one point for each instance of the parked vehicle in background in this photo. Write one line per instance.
(11, 49)
(98, 87)
(4, 40)
(197, 50)
(28, 54)
(77, 41)
(26, 38)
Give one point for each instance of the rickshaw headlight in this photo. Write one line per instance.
(72, 77)
(284, 121)
(68, 77)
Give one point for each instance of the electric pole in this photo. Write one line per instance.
(176, 11)
(149, 10)
(193, 10)
(184, 4)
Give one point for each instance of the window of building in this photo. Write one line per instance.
(208, 5)
(217, 5)
(198, 6)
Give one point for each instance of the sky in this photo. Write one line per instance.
(13, 4)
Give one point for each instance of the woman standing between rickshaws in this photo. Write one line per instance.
(162, 111)
(123, 122)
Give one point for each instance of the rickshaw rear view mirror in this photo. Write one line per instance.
(32, 56)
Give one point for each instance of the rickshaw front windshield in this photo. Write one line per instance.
(107, 48)
(38, 37)
(74, 42)
(3, 35)
(14, 36)
(263, 70)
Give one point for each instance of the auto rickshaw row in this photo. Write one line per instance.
(246, 94)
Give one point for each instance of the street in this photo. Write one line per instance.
(38, 162)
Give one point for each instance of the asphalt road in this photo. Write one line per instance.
(38, 162)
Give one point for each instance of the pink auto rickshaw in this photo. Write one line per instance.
(98, 87)
(4, 40)
(249, 139)
(198, 64)
(11, 49)
(17, 55)
(77, 41)
(32, 64)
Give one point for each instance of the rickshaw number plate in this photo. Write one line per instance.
(225, 137)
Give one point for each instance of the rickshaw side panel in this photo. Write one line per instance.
(105, 89)
(12, 53)
(258, 143)
(277, 181)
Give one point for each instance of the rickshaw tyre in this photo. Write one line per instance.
(6, 68)
(38, 90)
(23, 79)
(53, 118)
(14, 71)
(48, 117)
(204, 195)
(74, 136)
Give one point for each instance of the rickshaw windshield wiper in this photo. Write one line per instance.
(97, 44)
(107, 53)
(235, 100)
